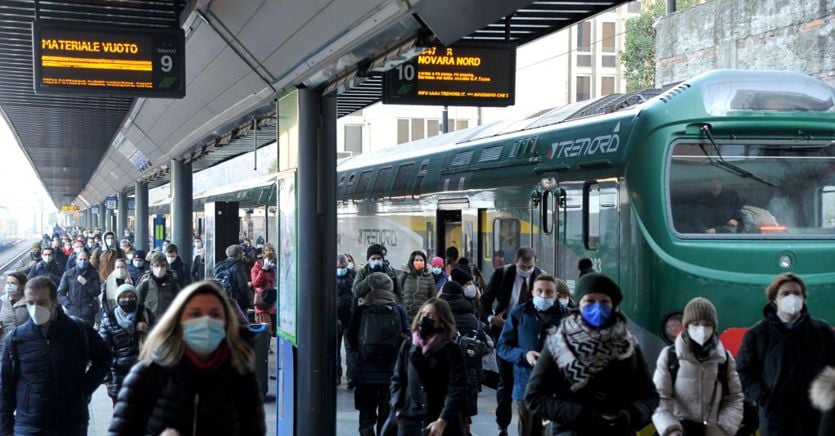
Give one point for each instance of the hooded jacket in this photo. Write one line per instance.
(366, 372)
(360, 287)
(104, 259)
(777, 364)
(694, 387)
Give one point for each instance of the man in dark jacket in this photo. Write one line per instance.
(45, 380)
(376, 256)
(344, 303)
(780, 357)
(230, 272)
(523, 336)
(177, 266)
(137, 266)
(59, 257)
(47, 266)
(375, 363)
(508, 286)
(80, 288)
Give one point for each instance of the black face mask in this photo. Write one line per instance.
(426, 328)
(128, 306)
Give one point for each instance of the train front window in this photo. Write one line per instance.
(788, 92)
(753, 189)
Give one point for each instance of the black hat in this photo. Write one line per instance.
(585, 266)
(461, 276)
(375, 249)
(600, 283)
(139, 254)
(451, 288)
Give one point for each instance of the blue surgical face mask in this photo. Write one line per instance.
(203, 335)
(542, 304)
(596, 314)
(341, 272)
(377, 263)
(82, 264)
(437, 271)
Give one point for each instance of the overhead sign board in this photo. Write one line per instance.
(69, 208)
(111, 202)
(108, 60)
(466, 74)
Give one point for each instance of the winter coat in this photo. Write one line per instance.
(51, 270)
(191, 401)
(240, 289)
(105, 261)
(27, 263)
(7, 316)
(60, 259)
(777, 365)
(462, 310)
(694, 388)
(360, 286)
(80, 300)
(440, 281)
(198, 269)
(424, 388)
(157, 296)
(366, 372)
(261, 280)
(344, 297)
(123, 345)
(417, 288)
(621, 385)
(137, 273)
(822, 395)
(526, 330)
(181, 272)
(45, 380)
(109, 291)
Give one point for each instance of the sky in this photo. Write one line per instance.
(21, 191)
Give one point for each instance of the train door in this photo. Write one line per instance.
(449, 231)
(545, 241)
(458, 227)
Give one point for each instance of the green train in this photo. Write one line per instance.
(707, 188)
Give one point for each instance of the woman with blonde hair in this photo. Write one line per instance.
(195, 374)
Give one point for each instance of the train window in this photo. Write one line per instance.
(348, 185)
(591, 217)
(340, 187)
(506, 236)
(402, 179)
(382, 182)
(424, 166)
(748, 190)
(547, 212)
(363, 184)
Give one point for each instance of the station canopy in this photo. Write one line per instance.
(239, 56)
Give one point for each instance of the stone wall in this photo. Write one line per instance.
(747, 34)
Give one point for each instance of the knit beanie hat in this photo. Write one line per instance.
(562, 287)
(375, 249)
(699, 309)
(451, 288)
(36, 245)
(460, 276)
(124, 287)
(598, 283)
(437, 261)
(380, 281)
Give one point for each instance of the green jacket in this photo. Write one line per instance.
(157, 298)
(360, 288)
(417, 289)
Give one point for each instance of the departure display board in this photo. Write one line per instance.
(466, 74)
(106, 60)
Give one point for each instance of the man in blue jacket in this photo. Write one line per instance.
(523, 336)
(50, 368)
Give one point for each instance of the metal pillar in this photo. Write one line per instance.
(181, 210)
(86, 220)
(102, 217)
(316, 370)
(445, 120)
(140, 235)
(122, 217)
(671, 6)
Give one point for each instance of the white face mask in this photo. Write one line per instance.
(564, 301)
(470, 291)
(120, 273)
(699, 334)
(11, 288)
(40, 315)
(170, 259)
(350, 265)
(790, 304)
(109, 242)
(77, 249)
(159, 272)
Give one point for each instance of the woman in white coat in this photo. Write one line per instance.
(697, 380)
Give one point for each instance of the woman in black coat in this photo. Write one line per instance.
(195, 375)
(429, 385)
(591, 378)
(123, 330)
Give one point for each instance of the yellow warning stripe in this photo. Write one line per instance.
(95, 64)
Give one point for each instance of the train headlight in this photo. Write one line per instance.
(785, 261)
(672, 327)
(548, 183)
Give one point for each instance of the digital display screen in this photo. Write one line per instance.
(466, 74)
(106, 60)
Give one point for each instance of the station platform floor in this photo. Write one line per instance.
(347, 418)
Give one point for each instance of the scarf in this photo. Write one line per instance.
(379, 297)
(580, 352)
(435, 342)
(126, 321)
(215, 360)
(700, 352)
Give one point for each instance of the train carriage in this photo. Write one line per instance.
(631, 188)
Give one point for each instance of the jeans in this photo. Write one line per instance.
(504, 393)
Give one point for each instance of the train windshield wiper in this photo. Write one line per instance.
(720, 161)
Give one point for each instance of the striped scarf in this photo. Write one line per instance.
(581, 352)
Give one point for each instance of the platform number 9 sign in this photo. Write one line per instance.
(166, 63)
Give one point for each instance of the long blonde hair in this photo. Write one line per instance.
(165, 344)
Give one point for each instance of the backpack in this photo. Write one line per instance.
(379, 335)
(225, 277)
(475, 346)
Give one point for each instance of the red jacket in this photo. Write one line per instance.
(263, 279)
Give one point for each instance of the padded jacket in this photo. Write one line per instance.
(123, 345)
(418, 287)
(155, 296)
(193, 402)
(80, 300)
(51, 270)
(45, 381)
(777, 365)
(262, 279)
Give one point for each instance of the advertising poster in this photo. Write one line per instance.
(286, 251)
